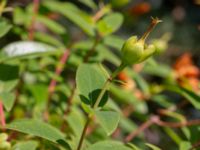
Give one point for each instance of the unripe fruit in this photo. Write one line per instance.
(135, 51)
(132, 50)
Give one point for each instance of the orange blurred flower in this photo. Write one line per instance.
(187, 74)
(140, 9)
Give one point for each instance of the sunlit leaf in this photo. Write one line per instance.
(74, 14)
(90, 80)
(4, 27)
(40, 129)
(110, 23)
(108, 120)
(25, 49)
(8, 100)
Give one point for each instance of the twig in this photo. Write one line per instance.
(155, 119)
(31, 30)
(99, 13)
(195, 145)
(83, 133)
(143, 127)
(53, 82)
(69, 105)
(2, 116)
(177, 124)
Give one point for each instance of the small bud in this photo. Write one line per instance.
(3, 137)
(135, 51)
(161, 44)
(5, 145)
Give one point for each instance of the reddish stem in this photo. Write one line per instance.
(143, 127)
(53, 82)
(35, 12)
(2, 116)
(58, 71)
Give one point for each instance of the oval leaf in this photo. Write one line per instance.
(90, 79)
(22, 49)
(40, 129)
(74, 14)
(8, 100)
(110, 23)
(8, 77)
(108, 120)
(4, 27)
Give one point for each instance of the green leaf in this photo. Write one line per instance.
(40, 129)
(74, 14)
(28, 145)
(8, 77)
(110, 23)
(21, 17)
(127, 125)
(39, 92)
(108, 120)
(51, 24)
(108, 145)
(4, 27)
(127, 97)
(153, 147)
(8, 100)
(76, 121)
(184, 145)
(160, 70)
(189, 95)
(89, 3)
(173, 135)
(26, 49)
(46, 38)
(90, 80)
(134, 147)
(114, 41)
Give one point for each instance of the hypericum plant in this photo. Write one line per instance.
(58, 87)
(133, 51)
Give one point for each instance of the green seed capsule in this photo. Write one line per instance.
(132, 50)
(135, 51)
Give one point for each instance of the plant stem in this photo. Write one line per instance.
(2, 116)
(154, 22)
(53, 82)
(143, 127)
(97, 102)
(35, 12)
(83, 133)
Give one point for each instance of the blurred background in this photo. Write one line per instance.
(180, 17)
